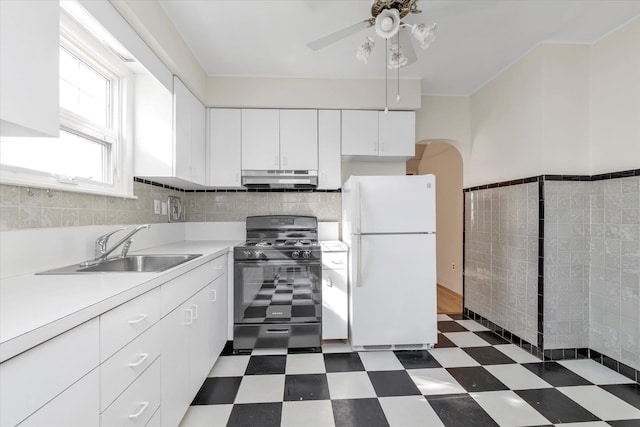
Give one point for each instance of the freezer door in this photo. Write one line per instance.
(393, 290)
(394, 204)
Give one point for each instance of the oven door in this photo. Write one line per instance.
(277, 291)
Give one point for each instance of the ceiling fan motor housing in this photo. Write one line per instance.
(404, 7)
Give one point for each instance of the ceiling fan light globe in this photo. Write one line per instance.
(397, 59)
(388, 23)
(424, 34)
(364, 50)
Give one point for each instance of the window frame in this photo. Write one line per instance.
(119, 165)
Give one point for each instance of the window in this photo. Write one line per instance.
(90, 151)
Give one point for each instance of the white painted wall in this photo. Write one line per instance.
(445, 117)
(615, 101)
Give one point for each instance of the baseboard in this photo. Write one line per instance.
(453, 304)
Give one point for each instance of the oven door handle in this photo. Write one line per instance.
(276, 263)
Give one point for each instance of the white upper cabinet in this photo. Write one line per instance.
(224, 140)
(299, 139)
(279, 139)
(374, 133)
(29, 38)
(329, 161)
(169, 131)
(260, 139)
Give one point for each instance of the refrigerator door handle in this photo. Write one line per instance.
(358, 256)
(357, 212)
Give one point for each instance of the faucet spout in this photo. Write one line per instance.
(106, 252)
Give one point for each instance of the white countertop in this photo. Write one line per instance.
(35, 308)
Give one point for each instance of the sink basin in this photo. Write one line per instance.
(130, 263)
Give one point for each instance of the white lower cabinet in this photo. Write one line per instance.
(218, 299)
(334, 296)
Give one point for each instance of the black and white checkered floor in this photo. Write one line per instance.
(472, 378)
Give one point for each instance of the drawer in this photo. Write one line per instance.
(334, 260)
(180, 289)
(76, 406)
(125, 322)
(121, 369)
(138, 403)
(36, 376)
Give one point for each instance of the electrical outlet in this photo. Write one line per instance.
(156, 207)
(453, 265)
(164, 208)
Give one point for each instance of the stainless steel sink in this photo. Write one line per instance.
(130, 263)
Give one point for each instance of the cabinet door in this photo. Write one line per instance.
(223, 147)
(329, 160)
(198, 141)
(182, 105)
(299, 139)
(334, 304)
(218, 302)
(260, 139)
(199, 339)
(29, 72)
(397, 133)
(174, 359)
(359, 133)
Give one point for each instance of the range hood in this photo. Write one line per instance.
(300, 179)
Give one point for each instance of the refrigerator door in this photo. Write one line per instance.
(394, 204)
(393, 290)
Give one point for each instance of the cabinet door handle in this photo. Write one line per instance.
(213, 295)
(143, 406)
(140, 361)
(188, 313)
(195, 311)
(138, 319)
(329, 281)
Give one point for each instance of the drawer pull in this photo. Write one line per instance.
(143, 406)
(329, 281)
(213, 295)
(277, 331)
(336, 261)
(188, 312)
(138, 319)
(218, 267)
(195, 311)
(143, 357)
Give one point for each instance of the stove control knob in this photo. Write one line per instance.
(257, 254)
(295, 254)
(306, 254)
(247, 254)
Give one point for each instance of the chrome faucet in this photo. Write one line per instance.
(102, 252)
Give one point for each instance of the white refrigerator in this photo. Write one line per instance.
(388, 222)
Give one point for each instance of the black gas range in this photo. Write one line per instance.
(277, 283)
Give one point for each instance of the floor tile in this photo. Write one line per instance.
(336, 347)
(595, 372)
(555, 406)
(227, 350)
(444, 342)
(466, 339)
(472, 325)
(517, 354)
(260, 389)
(516, 377)
(488, 355)
(458, 316)
(601, 403)
(358, 412)
(265, 365)
(630, 393)
(409, 411)
(433, 381)
(460, 410)
(306, 387)
(508, 409)
(491, 337)
(206, 415)
(350, 385)
(311, 413)
(268, 351)
(623, 423)
(380, 360)
(256, 414)
(453, 357)
(304, 350)
(392, 383)
(217, 390)
(443, 317)
(305, 364)
(587, 424)
(451, 326)
(416, 359)
(556, 374)
(230, 366)
(343, 362)
(476, 379)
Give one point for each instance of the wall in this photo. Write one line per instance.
(448, 118)
(615, 101)
(446, 165)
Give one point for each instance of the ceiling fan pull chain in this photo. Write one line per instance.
(398, 89)
(386, 78)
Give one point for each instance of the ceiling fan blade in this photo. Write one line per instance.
(407, 46)
(340, 34)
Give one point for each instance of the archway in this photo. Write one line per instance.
(442, 158)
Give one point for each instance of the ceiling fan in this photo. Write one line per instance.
(386, 17)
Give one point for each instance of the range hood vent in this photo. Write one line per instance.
(296, 179)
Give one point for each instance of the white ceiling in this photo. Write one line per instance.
(476, 39)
